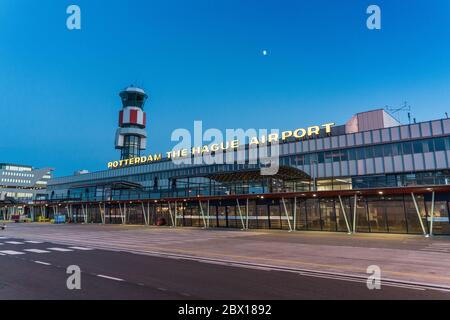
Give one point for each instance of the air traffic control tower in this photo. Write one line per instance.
(131, 136)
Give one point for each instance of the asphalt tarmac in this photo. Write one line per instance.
(38, 270)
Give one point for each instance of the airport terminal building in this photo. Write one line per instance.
(371, 174)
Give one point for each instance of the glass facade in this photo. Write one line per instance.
(133, 99)
(374, 214)
(131, 147)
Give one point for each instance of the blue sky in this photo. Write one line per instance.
(202, 60)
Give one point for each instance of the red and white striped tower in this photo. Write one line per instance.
(131, 136)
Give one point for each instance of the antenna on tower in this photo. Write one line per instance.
(397, 111)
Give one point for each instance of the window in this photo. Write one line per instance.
(447, 143)
(328, 157)
(418, 147)
(428, 146)
(397, 149)
(439, 144)
(321, 157)
(307, 159)
(298, 160)
(351, 154)
(407, 148)
(336, 156)
(378, 151)
(387, 150)
(360, 154)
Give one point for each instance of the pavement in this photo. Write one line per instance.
(138, 262)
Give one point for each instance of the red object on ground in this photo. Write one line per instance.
(161, 222)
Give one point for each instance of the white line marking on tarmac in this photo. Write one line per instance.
(11, 252)
(14, 242)
(403, 286)
(60, 249)
(36, 250)
(361, 281)
(34, 242)
(44, 263)
(110, 278)
(81, 248)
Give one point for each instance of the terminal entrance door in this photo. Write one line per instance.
(233, 217)
(222, 221)
(274, 212)
(441, 222)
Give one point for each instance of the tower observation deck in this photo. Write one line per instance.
(131, 136)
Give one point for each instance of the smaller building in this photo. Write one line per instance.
(19, 186)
